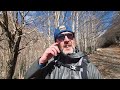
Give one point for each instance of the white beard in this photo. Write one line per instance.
(68, 51)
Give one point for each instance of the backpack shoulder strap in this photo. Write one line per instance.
(84, 62)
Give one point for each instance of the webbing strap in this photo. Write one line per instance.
(82, 67)
(76, 68)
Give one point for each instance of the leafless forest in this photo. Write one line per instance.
(24, 35)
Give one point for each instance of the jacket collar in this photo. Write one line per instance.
(70, 58)
(76, 55)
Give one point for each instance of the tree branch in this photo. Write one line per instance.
(1, 39)
(4, 25)
(3, 48)
(26, 13)
(25, 45)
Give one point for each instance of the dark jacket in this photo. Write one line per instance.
(52, 70)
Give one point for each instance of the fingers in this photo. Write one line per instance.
(53, 50)
(55, 46)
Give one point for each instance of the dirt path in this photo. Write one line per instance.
(108, 62)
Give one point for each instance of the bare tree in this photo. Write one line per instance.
(13, 37)
(57, 17)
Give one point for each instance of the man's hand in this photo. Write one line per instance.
(50, 52)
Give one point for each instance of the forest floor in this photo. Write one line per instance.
(107, 60)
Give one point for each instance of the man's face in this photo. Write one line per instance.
(66, 42)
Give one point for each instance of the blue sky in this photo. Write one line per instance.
(106, 20)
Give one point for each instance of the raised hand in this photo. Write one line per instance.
(50, 52)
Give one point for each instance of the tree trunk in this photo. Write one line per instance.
(13, 58)
(57, 16)
(13, 43)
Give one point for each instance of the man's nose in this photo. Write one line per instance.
(66, 38)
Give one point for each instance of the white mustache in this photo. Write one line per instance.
(68, 45)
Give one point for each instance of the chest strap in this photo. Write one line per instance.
(72, 67)
(82, 67)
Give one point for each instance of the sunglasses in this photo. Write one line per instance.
(61, 37)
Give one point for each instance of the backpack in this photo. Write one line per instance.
(82, 67)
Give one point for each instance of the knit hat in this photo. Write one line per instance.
(61, 29)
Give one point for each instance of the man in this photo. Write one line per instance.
(62, 60)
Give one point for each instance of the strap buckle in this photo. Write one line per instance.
(72, 67)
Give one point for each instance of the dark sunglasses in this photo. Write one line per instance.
(61, 37)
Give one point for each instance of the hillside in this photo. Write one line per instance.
(108, 61)
(111, 36)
